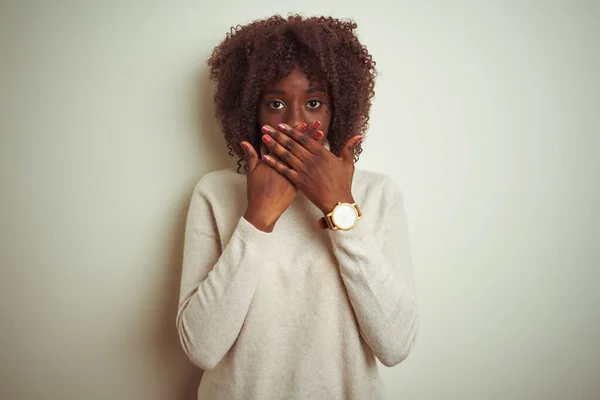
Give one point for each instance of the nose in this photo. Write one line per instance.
(296, 116)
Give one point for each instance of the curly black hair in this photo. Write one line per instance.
(265, 51)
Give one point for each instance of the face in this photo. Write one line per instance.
(294, 100)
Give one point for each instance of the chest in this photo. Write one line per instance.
(300, 274)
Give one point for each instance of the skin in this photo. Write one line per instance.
(294, 116)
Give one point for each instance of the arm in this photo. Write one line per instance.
(216, 286)
(380, 284)
(378, 277)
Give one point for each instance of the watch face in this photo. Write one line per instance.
(344, 216)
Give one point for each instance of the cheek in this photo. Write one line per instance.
(268, 118)
(261, 117)
(325, 119)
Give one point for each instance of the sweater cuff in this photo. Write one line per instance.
(352, 237)
(249, 234)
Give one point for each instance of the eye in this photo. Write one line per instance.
(314, 104)
(276, 104)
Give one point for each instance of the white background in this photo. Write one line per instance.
(486, 115)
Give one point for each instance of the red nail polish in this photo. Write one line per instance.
(303, 126)
(244, 146)
(316, 124)
(319, 135)
(265, 129)
(360, 138)
(266, 139)
(282, 127)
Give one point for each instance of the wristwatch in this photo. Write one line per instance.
(343, 217)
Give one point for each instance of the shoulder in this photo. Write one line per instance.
(376, 184)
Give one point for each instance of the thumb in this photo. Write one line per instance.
(347, 154)
(250, 155)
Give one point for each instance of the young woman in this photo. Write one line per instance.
(297, 270)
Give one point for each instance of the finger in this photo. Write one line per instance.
(284, 147)
(313, 128)
(250, 155)
(282, 168)
(285, 134)
(302, 127)
(301, 138)
(347, 154)
(309, 130)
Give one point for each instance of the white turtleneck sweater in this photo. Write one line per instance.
(298, 313)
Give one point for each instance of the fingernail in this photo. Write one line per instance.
(282, 127)
(265, 129)
(266, 158)
(319, 135)
(266, 139)
(358, 140)
(316, 124)
(303, 126)
(244, 146)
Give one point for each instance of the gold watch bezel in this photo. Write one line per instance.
(331, 223)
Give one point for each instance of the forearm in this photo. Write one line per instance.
(381, 292)
(212, 311)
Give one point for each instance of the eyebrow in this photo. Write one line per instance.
(275, 91)
(314, 89)
(311, 89)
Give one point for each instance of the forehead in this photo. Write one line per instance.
(296, 80)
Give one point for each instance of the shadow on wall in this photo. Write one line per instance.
(212, 152)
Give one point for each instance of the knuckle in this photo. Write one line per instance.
(289, 144)
(285, 157)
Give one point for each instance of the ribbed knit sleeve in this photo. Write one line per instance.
(379, 279)
(217, 283)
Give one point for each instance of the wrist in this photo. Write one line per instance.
(330, 205)
(260, 221)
